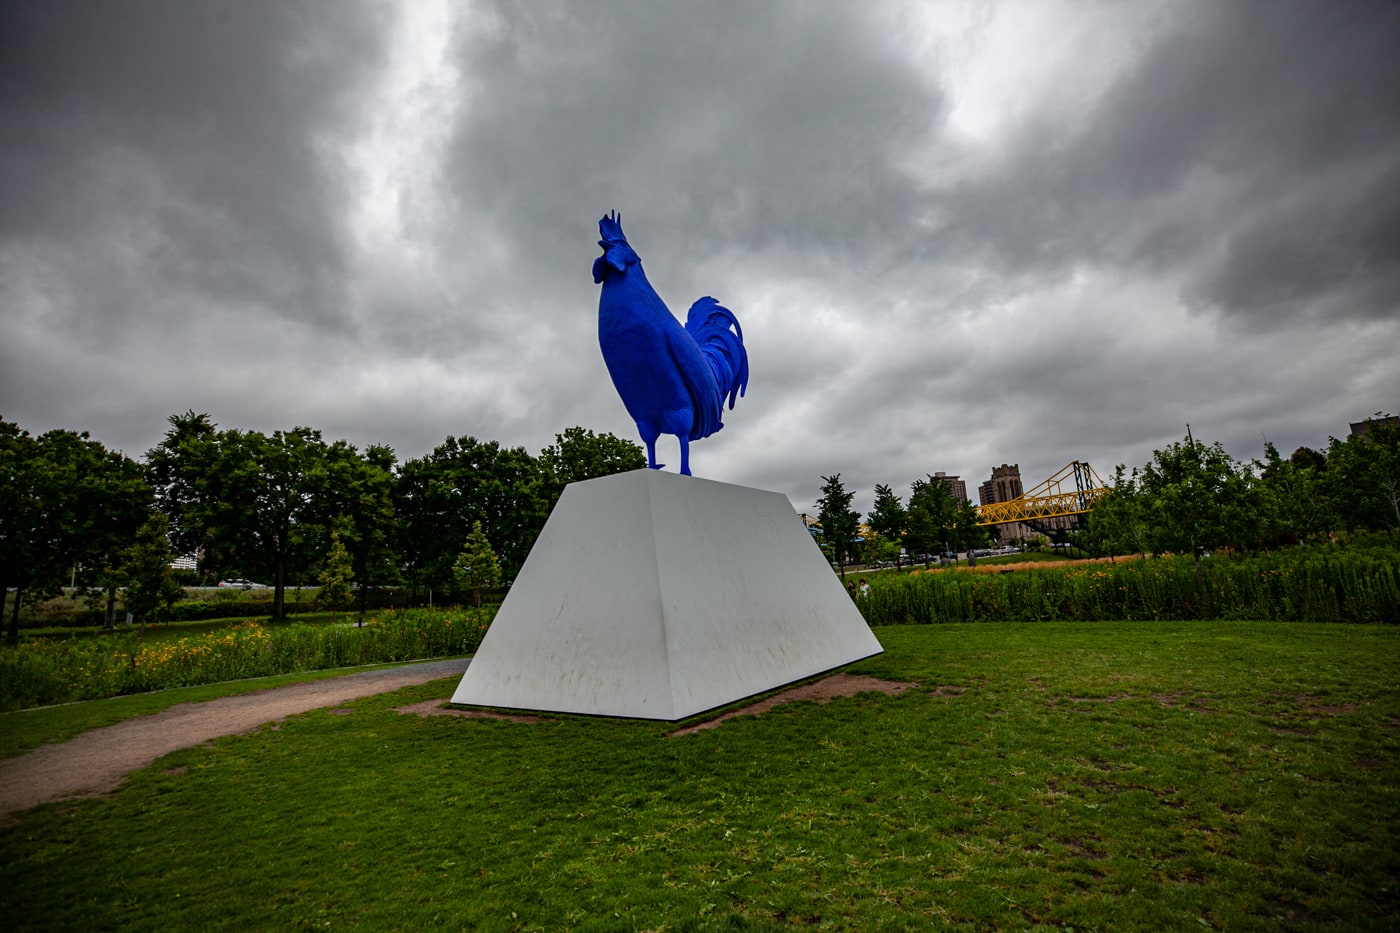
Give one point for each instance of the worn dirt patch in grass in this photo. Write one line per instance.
(821, 691)
(1114, 698)
(1311, 705)
(440, 708)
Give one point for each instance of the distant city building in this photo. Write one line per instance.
(1361, 427)
(1004, 485)
(956, 486)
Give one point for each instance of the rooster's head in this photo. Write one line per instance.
(617, 254)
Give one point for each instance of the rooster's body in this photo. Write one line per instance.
(672, 379)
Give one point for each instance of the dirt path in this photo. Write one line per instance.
(97, 761)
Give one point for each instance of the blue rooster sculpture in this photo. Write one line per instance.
(672, 379)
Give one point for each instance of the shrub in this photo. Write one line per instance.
(1316, 585)
(42, 672)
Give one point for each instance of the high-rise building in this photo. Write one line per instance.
(955, 486)
(1004, 485)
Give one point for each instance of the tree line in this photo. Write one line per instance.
(931, 521)
(1190, 498)
(292, 508)
(284, 507)
(1194, 498)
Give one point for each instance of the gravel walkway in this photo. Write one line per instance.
(96, 762)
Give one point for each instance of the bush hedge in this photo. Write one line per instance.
(1294, 586)
(73, 611)
(41, 672)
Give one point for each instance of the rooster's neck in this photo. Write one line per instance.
(629, 294)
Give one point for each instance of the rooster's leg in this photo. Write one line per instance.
(651, 453)
(685, 453)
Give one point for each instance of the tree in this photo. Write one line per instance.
(965, 533)
(887, 518)
(1118, 519)
(23, 530)
(476, 568)
(65, 501)
(1363, 476)
(275, 515)
(336, 574)
(1292, 495)
(360, 489)
(579, 454)
(878, 547)
(438, 497)
(184, 474)
(1196, 498)
(255, 505)
(151, 590)
(840, 523)
(930, 517)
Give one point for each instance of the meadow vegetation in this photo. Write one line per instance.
(1322, 584)
(39, 672)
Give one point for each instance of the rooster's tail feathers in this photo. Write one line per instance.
(709, 323)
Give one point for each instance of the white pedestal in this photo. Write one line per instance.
(658, 596)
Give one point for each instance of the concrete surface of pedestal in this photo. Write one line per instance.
(659, 596)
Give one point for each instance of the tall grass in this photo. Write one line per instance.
(42, 672)
(1313, 586)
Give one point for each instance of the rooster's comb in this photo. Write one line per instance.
(610, 229)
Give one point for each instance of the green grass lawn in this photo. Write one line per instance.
(1110, 776)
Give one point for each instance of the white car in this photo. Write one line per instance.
(242, 585)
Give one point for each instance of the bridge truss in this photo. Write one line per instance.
(1071, 491)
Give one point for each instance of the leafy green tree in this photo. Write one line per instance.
(930, 517)
(840, 523)
(185, 476)
(1363, 476)
(360, 493)
(254, 504)
(476, 568)
(1118, 521)
(151, 589)
(336, 574)
(65, 502)
(965, 533)
(1196, 499)
(878, 547)
(23, 525)
(275, 517)
(1293, 496)
(579, 454)
(887, 517)
(439, 496)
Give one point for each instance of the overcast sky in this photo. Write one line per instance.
(955, 234)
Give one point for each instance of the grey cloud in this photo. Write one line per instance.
(1335, 253)
(733, 136)
(185, 144)
(1249, 130)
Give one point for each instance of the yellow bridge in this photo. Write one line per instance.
(1071, 491)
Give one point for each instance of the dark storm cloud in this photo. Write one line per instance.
(1256, 144)
(178, 146)
(736, 125)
